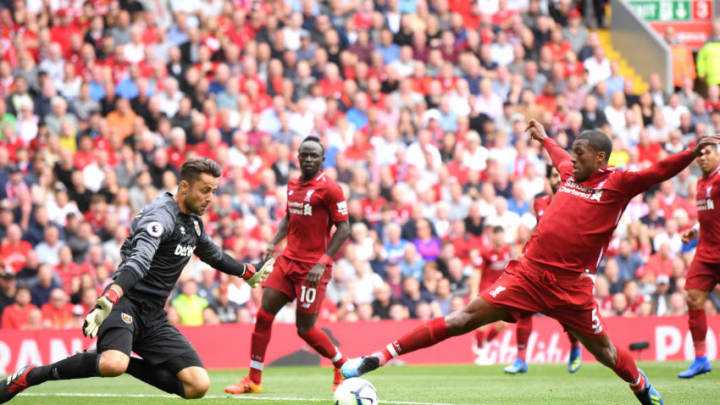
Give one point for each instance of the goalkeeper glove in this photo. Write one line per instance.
(255, 274)
(100, 312)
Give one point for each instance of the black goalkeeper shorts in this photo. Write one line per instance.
(159, 343)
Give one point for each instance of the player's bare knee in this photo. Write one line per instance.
(197, 389)
(459, 322)
(695, 300)
(113, 365)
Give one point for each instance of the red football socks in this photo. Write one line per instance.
(698, 329)
(522, 335)
(491, 334)
(626, 369)
(320, 341)
(480, 337)
(425, 335)
(259, 343)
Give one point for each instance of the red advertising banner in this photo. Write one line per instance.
(228, 346)
(693, 34)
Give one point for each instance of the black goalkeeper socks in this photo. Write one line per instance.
(156, 376)
(81, 365)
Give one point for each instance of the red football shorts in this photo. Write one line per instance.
(487, 280)
(702, 276)
(289, 277)
(527, 288)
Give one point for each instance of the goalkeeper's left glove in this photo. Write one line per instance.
(100, 312)
(255, 274)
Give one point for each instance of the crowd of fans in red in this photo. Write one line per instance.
(421, 106)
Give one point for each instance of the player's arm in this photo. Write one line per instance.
(337, 207)
(211, 254)
(148, 232)
(559, 156)
(637, 182)
(691, 233)
(279, 236)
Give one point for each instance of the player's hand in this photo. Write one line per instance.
(703, 142)
(689, 235)
(315, 274)
(269, 251)
(536, 130)
(99, 313)
(255, 274)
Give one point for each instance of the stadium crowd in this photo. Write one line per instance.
(421, 106)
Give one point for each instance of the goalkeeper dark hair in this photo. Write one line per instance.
(193, 168)
(315, 139)
(548, 170)
(598, 141)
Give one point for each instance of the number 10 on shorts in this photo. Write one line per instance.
(307, 294)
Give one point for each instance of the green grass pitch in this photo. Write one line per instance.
(418, 385)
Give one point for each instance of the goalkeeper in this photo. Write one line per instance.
(130, 316)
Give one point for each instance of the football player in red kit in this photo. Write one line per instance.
(704, 273)
(494, 261)
(524, 325)
(314, 204)
(556, 274)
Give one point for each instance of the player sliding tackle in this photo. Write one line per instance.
(555, 277)
(130, 315)
(524, 325)
(704, 273)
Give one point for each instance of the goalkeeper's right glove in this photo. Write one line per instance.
(100, 312)
(255, 274)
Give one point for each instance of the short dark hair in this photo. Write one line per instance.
(598, 141)
(315, 139)
(193, 168)
(548, 170)
(498, 229)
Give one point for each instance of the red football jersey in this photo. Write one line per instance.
(313, 207)
(708, 197)
(579, 223)
(494, 263)
(540, 205)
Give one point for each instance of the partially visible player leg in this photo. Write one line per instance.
(158, 377)
(195, 380)
(272, 302)
(319, 340)
(477, 313)
(575, 359)
(697, 321)
(623, 364)
(522, 335)
(111, 363)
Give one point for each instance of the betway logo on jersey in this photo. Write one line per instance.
(581, 191)
(299, 208)
(182, 250)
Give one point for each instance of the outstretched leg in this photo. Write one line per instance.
(623, 364)
(477, 313)
(110, 363)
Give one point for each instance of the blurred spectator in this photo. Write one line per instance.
(384, 301)
(57, 313)
(14, 250)
(8, 289)
(16, 315)
(225, 310)
(48, 250)
(47, 282)
(190, 305)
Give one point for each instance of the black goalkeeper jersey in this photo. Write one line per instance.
(162, 239)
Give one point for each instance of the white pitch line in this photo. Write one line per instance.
(105, 395)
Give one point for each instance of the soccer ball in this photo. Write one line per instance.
(356, 391)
